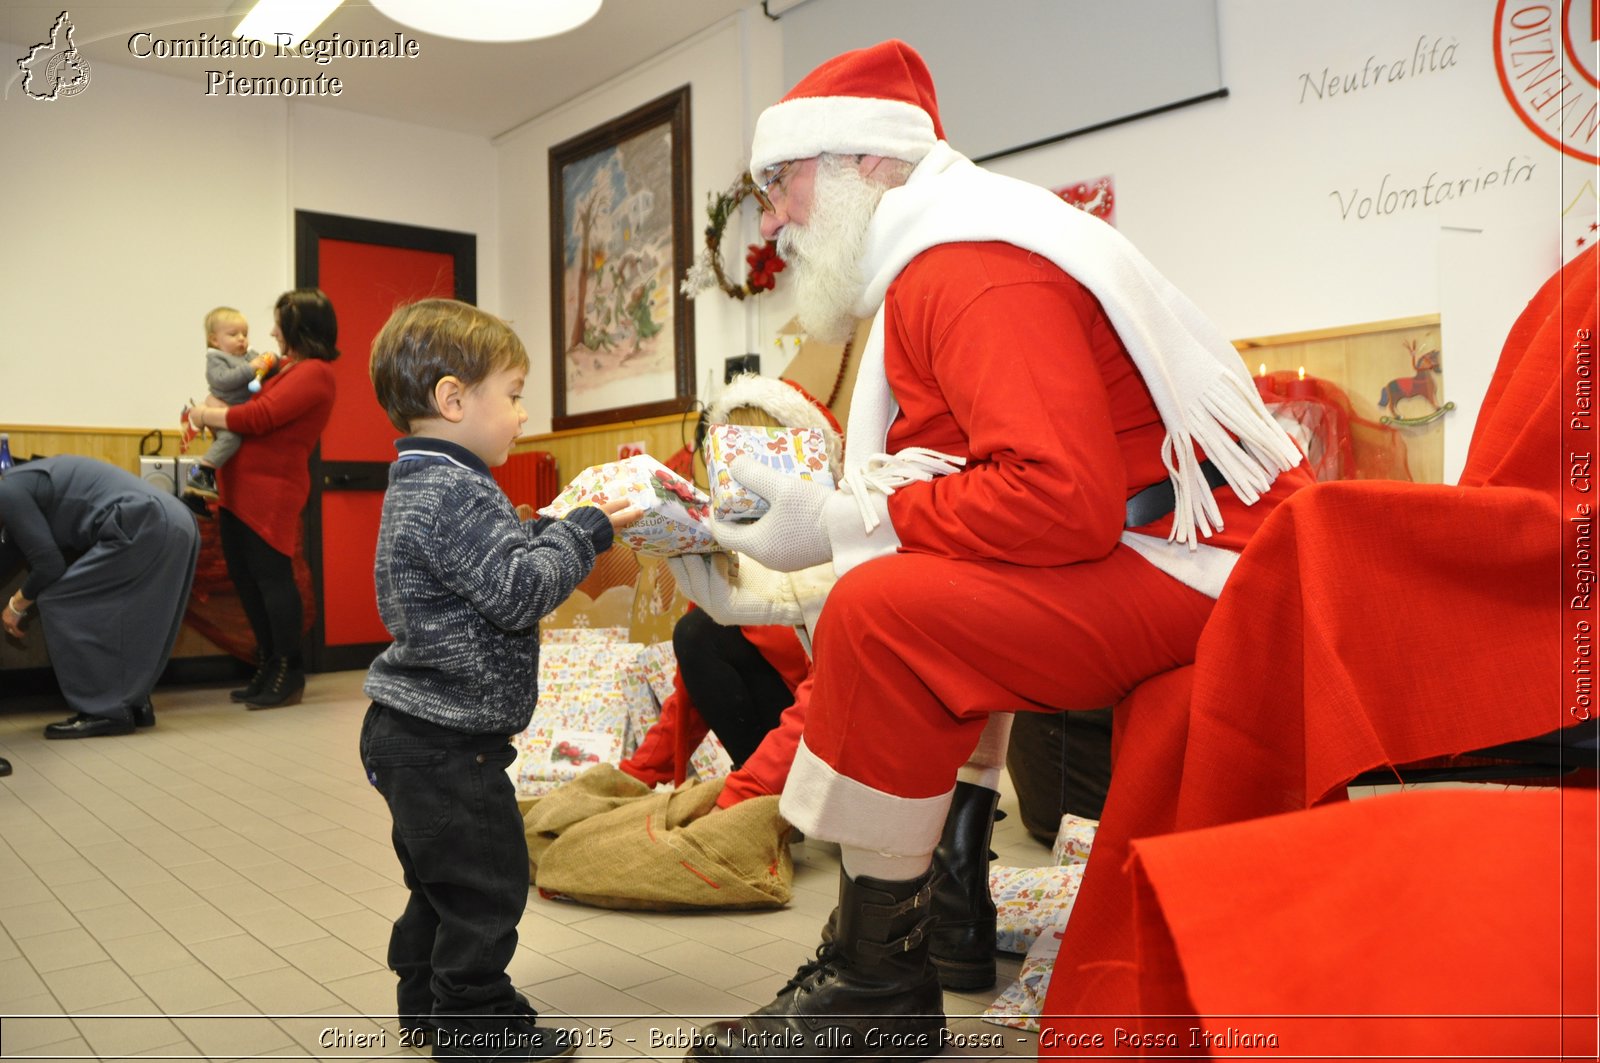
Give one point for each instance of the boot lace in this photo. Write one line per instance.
(827, 958)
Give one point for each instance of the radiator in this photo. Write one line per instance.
(529, 478)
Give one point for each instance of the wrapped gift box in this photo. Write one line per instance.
(593, 702)
(675, 511)
(1023, 1001)
(660, 664)
(801, 452)
(1074, 839)
(709, 760)
(1031, 901)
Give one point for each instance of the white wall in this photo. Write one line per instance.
(713, 65)
(1241, 201)
(131, 209)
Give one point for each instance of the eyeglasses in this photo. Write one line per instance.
(763, 190)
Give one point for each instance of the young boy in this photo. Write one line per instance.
(230, 368)
(462, 583)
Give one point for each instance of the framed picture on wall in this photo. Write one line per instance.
(622, 331)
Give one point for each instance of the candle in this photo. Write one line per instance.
(1301, 388)
(1264, 386)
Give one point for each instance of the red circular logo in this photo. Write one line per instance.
(1546, 54)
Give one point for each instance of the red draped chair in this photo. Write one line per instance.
(1367, 624)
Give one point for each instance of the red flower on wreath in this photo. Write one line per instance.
(765, 264)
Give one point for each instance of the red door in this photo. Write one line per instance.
(367, 269)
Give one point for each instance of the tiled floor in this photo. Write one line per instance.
(221, 887)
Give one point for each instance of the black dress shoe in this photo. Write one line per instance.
(144, 714)
(5, 767)
(85, 726)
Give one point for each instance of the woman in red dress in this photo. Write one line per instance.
(263, 489)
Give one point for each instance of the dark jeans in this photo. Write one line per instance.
(735, 689)
(459, 837)
(264, 579)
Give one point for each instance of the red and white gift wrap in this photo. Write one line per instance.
(801, 452)
(675, 510)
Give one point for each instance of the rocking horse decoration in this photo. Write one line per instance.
(1423, 384)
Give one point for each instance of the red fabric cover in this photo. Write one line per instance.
(1344, 445)
(1366, 624)
(663, 754)
(267, 482)
(1351, 931)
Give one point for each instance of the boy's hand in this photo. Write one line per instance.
(526, 512)
(620, 511)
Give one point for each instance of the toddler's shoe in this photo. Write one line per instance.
(202, 480)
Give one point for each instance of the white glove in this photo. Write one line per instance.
(752, 596)
(790, 535)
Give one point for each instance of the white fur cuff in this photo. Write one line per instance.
(832, 807)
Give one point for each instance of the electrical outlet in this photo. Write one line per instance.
(740, 363)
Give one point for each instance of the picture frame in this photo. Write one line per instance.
(622, 330)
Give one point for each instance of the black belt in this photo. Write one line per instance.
(1157, 500)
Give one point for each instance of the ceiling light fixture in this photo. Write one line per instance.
(490, 20)
(270, 20)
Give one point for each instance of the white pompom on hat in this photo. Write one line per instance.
(872, 101)
(786, 402)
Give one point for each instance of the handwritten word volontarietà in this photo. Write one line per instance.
(1395, 197)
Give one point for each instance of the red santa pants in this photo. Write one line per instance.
(914, 652)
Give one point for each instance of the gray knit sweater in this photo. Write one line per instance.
(462, 584)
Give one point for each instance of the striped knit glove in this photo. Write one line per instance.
(790, 535)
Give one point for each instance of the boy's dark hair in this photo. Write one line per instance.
(306, 320)
(429, 340)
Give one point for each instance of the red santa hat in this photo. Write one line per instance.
(873, 101)
(786, 402)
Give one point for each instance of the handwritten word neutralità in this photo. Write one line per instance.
(1425, 58)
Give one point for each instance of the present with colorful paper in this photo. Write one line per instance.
(675, 511)
(801, 452)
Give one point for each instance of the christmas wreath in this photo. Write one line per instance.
(762, 259)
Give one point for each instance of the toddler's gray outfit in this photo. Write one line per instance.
(228, 377)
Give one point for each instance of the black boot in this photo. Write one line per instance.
(870, 993)
(963, 935)
(252, 688)
(962, 946)
(283, 685)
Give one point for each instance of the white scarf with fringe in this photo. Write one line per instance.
(1200, 385)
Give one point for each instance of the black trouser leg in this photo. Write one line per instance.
(460, 841)
(264, 579)
(736, 690)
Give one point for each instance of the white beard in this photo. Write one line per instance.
(825, 253)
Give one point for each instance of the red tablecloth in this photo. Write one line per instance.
(1367, 624)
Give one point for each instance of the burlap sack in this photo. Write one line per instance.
(605, 839)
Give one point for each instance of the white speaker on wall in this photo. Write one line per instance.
(160, 472)
(169, 474)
